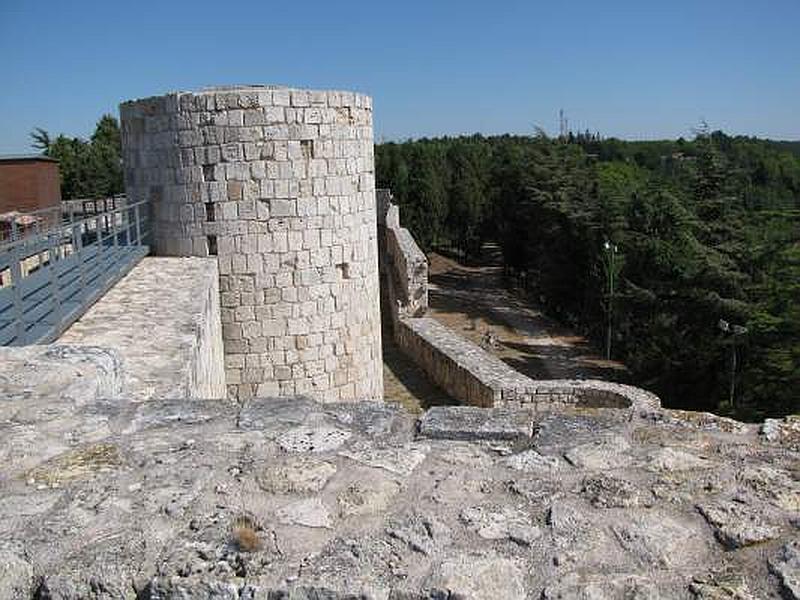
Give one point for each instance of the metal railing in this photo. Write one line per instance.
(52, 272)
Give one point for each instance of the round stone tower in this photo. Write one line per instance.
(278, 184)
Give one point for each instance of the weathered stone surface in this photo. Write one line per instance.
(17, 579)
(737, 525)
(784, 431)
(660, 540)
(308, 513)
(163, 321)
(530, 461)
(312, 439)
(113, 499)
(479, 578)
(79, 374)
(608, 453)
(422, 533)
(365, 499)
(471, 423)
(401, 460)
(557, 434)
(174, 588)
(670, 459)
(501, 523)
(605, 491)
(787, 567)
(300, 474)
(776, 486)
(721, 586)
(609, 587)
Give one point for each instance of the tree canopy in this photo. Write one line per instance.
(707, 229)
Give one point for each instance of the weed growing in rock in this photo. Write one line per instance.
(244, 534)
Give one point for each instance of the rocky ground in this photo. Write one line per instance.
(288, 499)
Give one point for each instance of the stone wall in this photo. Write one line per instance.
(162, 322)
(476, 377)
(464, 370)
(403, 266)
(75, 374)
(279, 184)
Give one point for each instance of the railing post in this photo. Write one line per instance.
(138, 225)
(53, 276)
(127, 224)
(114, 230)
(77, 246)
(100, 249)
(16, 290)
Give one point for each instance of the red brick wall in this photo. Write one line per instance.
(28, 185)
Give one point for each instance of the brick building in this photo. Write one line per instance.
(27, 183)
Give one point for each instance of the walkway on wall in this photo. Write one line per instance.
(49, 277)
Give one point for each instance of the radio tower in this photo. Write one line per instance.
(563, 127)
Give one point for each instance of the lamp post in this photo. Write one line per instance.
(611, 268)
(734, 332)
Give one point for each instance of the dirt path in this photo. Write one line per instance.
(475, 300)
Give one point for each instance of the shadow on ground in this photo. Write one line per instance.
(407, 384)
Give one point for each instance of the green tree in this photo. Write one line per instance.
(89, 169)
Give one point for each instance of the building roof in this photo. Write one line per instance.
(26, 157)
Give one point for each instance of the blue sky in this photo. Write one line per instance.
(627, 68)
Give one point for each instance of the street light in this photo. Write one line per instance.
(611, 268)
(735, 332)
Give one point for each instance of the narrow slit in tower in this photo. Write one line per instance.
(307, 148)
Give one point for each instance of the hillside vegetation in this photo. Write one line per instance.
(687, 251)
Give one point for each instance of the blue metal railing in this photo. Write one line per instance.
(56, 269)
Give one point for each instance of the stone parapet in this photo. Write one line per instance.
(78, 374)
(474, 376)
(403, 265)
(162, 322)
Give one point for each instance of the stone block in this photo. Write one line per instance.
(473, 423)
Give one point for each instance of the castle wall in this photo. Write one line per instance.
(403, 266)
(279, 185)
(478, 378)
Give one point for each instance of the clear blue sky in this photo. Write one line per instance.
(628, 68)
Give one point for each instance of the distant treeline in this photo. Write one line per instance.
(700, 238)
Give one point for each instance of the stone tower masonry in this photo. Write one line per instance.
(279, 184)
